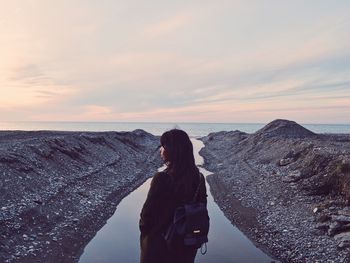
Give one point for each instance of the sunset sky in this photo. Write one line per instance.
(175, 61)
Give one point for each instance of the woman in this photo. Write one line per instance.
(169, 189)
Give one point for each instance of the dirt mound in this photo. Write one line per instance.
(59, 188)
(297, 181)
(284, 128)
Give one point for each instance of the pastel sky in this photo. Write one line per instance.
(175, 61)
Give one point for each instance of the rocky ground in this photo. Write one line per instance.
(287, 188)
(57, 189)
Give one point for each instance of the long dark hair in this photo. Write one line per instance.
(180, 161)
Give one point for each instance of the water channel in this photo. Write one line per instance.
(118, 240)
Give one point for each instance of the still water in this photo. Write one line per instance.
(118, 240)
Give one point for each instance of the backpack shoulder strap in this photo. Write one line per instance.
(201, 177)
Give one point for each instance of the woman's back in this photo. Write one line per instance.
(169, 190)
(157, 214)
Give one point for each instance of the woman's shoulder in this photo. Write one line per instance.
(160, 178)
(160, 184)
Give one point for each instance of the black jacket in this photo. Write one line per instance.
(156, 215)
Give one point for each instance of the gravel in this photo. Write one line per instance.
(57, 189)
(281, 187)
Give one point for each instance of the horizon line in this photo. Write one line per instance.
(180, 122)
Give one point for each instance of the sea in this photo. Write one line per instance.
(157, 128)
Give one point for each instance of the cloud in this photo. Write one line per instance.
(233, 61)
(46, 94)
(28, 86)
(168, 25)
(29, 74)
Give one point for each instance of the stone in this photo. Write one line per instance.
(38, 201)
(292, 176)
(333, 228)
(321, 217)
(344, 244)
(342, 236)
(285, 161)
(322, 226)
(341, 218)
(345, 211)
(343, 239)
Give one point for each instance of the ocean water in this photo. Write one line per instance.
(193, 129)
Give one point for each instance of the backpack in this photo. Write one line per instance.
(190, 224)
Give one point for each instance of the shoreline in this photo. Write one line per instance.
(244, 218)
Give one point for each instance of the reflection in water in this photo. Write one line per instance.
(118, 240)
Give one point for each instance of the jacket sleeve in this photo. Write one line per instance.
(154, 204)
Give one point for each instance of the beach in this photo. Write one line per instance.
(285, 187)
(59, 188)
